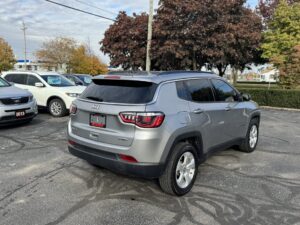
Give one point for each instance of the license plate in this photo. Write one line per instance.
(20, 114)
(98, 120)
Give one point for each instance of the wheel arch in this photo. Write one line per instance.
(255, 115)
(194, 138)
(54, 97)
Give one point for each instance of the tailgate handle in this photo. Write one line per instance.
(198, 111)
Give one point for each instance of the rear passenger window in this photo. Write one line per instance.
(17, 78)
(223, 91)
(31, 80)
(195, 90)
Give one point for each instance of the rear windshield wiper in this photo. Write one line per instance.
(95, 98)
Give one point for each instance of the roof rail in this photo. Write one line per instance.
(183, 71)
(132, 72)
(158, 73)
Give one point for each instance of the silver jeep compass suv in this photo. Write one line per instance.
(160, 125)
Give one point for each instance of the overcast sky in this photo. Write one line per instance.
(45, 21)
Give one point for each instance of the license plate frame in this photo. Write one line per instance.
(20, 114)
(98, 120)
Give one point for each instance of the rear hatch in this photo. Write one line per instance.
(98, 109)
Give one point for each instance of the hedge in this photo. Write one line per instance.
(274, 97)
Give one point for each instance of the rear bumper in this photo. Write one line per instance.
(112, 162)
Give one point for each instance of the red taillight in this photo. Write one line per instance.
(127, 158)
(73, 109)
(144, 120)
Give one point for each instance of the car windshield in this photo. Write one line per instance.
(4, 83)
(57, 81)
(86, 79)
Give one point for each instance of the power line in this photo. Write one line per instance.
(96, 7)
(79, 10)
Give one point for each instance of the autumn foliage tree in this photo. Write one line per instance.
(187, 35)
(282, 40)
(66, 51)
(194, 33)
(266, 8)
(83, 62)
(125, 41)
(57, 51)
(7, 58)
(289, 68)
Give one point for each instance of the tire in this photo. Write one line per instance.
(57, 108)
(248, 146)
(169, 181)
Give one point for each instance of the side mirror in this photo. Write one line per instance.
(11, 83)
(246, 97)
(39, 84)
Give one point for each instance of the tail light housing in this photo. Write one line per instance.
(73, 109)
(143, 119)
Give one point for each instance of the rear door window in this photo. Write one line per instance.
(120, 91)
(17, 78)
(196, 90)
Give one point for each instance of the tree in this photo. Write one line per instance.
(57, 51)
(289, 68)
(177, 34)
(193, 33)
(266, 8)
(125, 41)
(7, 59)
(84, 62)
(187, 35)
(282, 40)
(283, 32)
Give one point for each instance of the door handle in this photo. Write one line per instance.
(198, 111)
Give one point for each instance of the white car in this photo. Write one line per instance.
(50, 89)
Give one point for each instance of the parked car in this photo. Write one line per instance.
(16, 105)
(161, 125)
(50, 89)
(74, 79)
(85, 78)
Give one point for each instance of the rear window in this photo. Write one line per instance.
(120, 91)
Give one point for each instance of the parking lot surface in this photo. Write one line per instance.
(42, 184)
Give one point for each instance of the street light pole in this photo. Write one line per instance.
(149, 38)
(24, 28)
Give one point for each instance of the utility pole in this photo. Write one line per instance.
(24, 28)
(89, 46)
(149, 38)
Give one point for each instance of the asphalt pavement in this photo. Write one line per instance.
(42, 184)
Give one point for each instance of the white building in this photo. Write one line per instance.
(36, 66)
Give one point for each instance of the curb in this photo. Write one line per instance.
(281, 109)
